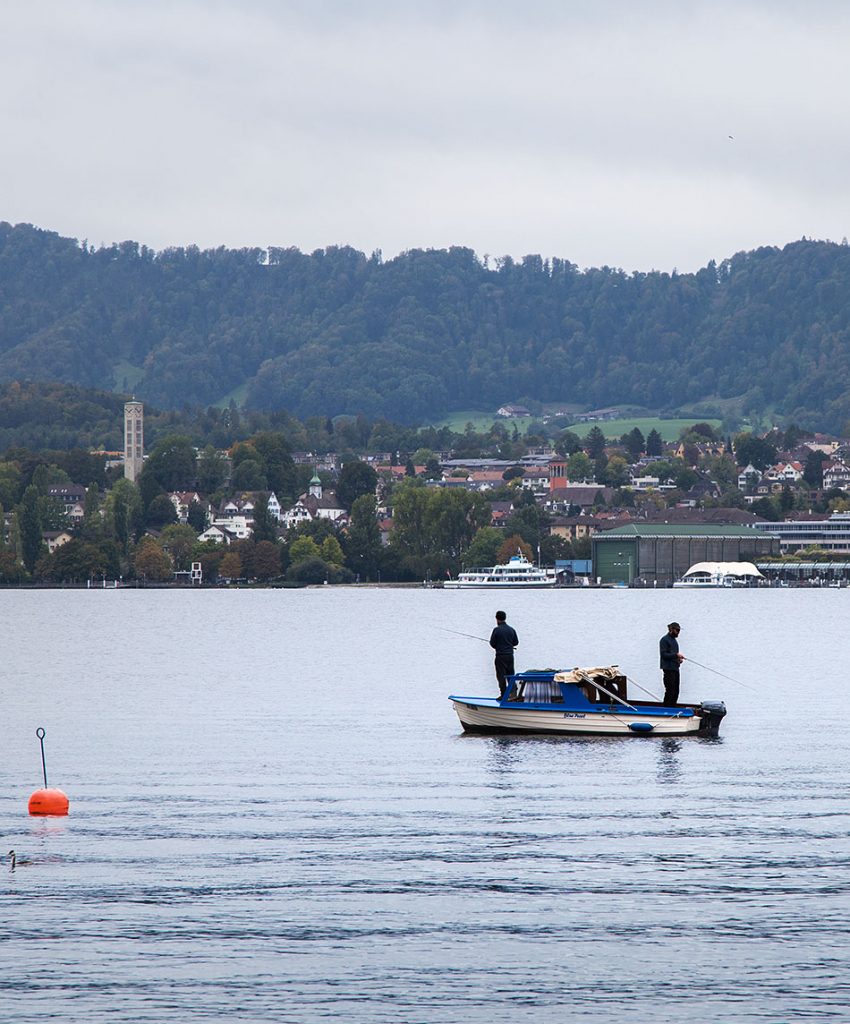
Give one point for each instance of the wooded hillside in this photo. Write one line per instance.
(428, 332)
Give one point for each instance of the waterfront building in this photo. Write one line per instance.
(831, 534)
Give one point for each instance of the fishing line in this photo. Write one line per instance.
(469, 636)
(723, 675)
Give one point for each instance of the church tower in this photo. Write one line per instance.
(134, 440)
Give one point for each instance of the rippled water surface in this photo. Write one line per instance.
(275, 815)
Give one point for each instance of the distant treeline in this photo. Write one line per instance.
(338, 332)
(60, 417)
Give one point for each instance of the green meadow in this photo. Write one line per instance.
(614, 429)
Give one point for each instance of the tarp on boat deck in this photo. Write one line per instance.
(576, 675)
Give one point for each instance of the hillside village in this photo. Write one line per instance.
(260, 512)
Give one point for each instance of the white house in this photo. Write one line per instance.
(836, 474)
(181, 500)
(316, 503)
(748, 477)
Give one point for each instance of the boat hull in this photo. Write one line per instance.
(497, 585)
(502, 719)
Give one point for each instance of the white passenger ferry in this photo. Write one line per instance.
(518, 572)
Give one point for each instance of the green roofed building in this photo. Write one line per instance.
(656, 554)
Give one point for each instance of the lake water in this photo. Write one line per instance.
(276, 817)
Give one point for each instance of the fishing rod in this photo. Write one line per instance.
(723, 675)
(593, 682)
(469, 636)
(643, 689)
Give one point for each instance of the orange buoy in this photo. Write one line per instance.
(48, 801)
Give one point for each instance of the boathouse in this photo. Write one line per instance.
(656, 554)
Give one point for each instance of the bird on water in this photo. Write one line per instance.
(14, 860)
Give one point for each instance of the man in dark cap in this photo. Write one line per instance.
(670, 662)
(503, 640)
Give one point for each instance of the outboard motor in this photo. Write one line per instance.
(712, 713)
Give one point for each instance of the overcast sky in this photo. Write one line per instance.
(596, 131)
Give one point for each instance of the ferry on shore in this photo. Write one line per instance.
(518, 572)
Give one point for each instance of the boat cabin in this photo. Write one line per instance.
(577, 688)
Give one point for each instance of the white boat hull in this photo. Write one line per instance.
(497, 585)
(495, 718)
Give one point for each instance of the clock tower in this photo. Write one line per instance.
(134, 440)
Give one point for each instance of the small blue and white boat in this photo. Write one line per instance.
(589, 701)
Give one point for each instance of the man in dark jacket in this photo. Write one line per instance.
(503, 640)
(670, 662)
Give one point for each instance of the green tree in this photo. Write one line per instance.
(567, 443)
(277, 463)
(751, 450)
(123, 513)
(701, 432)
(249, 476)
(786, 499)
(267, 560)
(363, 541)
(579, 467)
(212, 470)
(512, 545)
(92, 526)
(634, 443)
(161, 512)
(265, 525)
(433, 526)
(617, 472)
(151, 562)
(196, 516)
(179, 540)
(29, 524)
(309, 570)
(595, 443)
(484, 549)
(302, 548)
(231, 566)
(74, 562)
(723, 471)
(555, 547)
(654, 444)
(11, 570)
(813, 469)
(356, 478)
(10, 484)
(766, 508)
(529, 522)
(172, 463)
(331, 551)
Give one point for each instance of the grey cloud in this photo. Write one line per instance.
(597, 132)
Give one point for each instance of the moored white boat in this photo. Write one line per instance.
(518, 572)
(591, 701)
(714, 575)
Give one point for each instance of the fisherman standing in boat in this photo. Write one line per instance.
(670, 662)
(503, 640)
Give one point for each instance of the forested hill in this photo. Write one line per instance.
(428, 332)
